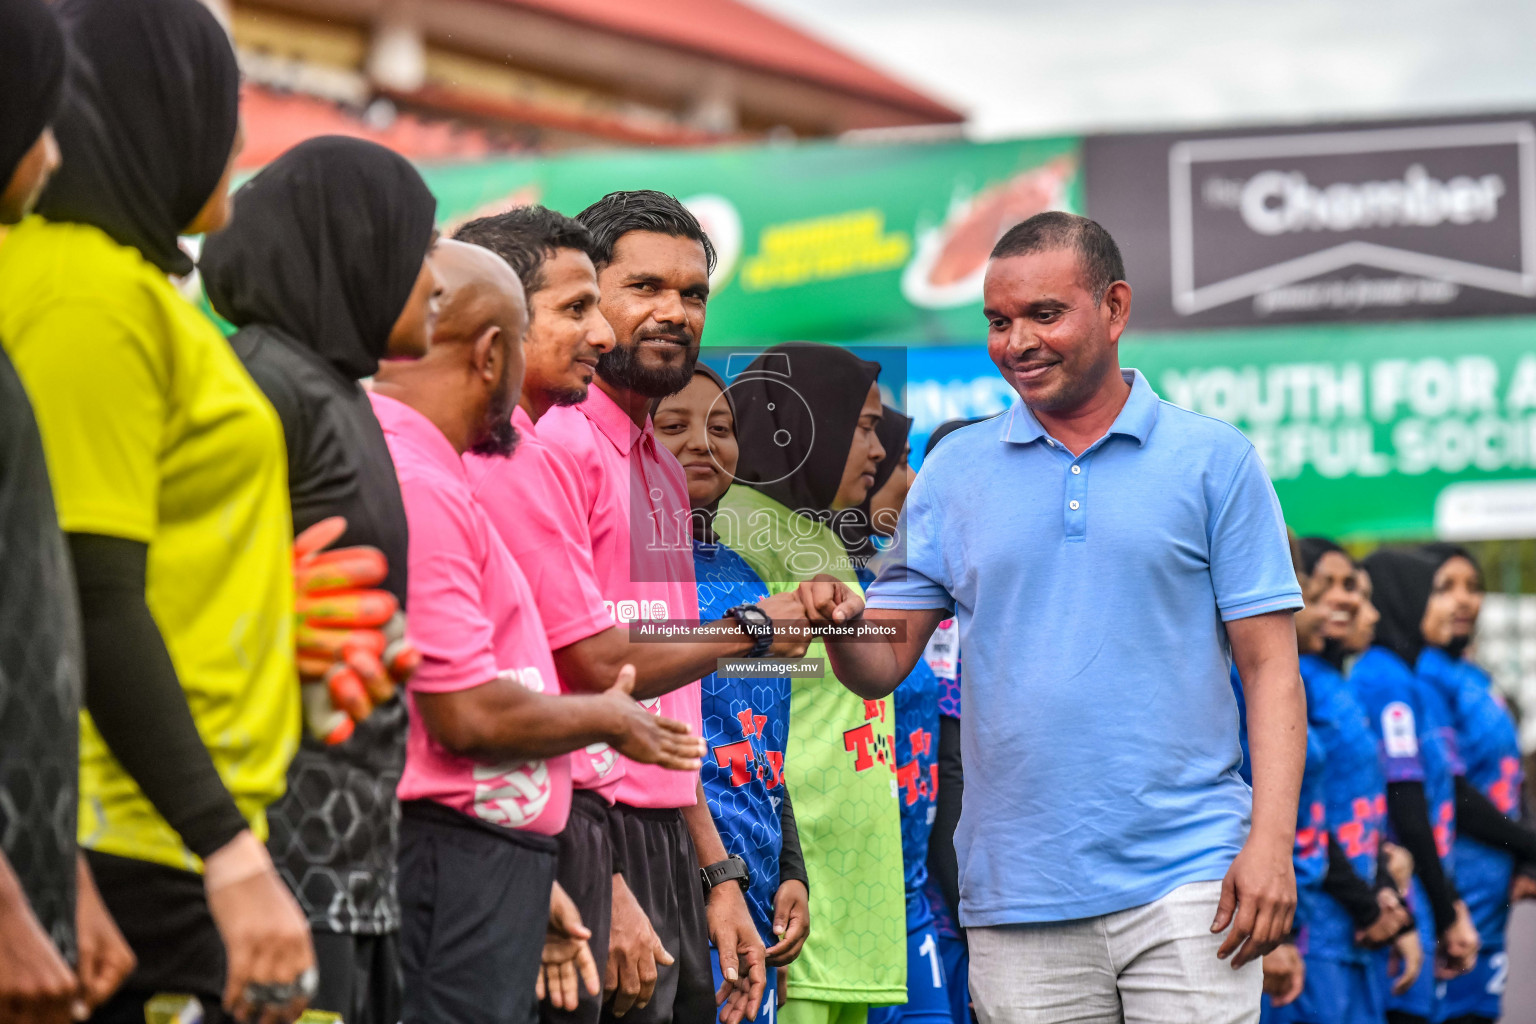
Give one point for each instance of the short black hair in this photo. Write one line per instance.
(1056, 229)
(525, 237)
(618, 213)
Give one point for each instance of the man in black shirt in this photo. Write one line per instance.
(42, 933)
(324, 270)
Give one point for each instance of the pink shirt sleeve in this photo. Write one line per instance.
(447, 623)
(536, 506)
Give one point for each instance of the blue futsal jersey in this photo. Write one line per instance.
(1490, 753)
(1309, 856)
(917, 777)
(1354, 794)
(746, 724)
(1412, 737)
(1406, 719)
(917, 780)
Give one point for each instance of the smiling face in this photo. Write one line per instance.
(1332, 598)
(1053, 341)
(567, 333)
(864, 454)
(653, 296)
(696, 425)
(1454, 603)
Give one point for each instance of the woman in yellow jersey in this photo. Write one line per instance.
(169, 479)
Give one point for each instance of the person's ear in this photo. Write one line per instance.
(1117, 301)
(486, 353)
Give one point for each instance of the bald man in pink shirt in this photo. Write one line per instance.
(597, 454)
(486, 784)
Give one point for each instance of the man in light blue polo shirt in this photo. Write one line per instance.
(1108, 556)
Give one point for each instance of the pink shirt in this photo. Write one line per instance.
(537, 503)
(473, 618)
(637, 528)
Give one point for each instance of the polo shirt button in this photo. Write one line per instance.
(1072, 505)
(1077, 469)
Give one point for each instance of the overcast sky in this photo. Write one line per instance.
(1030, 67)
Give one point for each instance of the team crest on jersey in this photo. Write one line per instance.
(512, 795)
(1398, 731)
(602, 757)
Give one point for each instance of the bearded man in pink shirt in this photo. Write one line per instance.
(542, 505)
(486, 784)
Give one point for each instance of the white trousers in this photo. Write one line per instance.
(1148, 965)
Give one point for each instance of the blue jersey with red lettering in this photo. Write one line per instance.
(1309, 856)
(1355, 796)
(917, 780)
(917, 776)
(746, 724)
(1411, 735)
(942, 654)
(1490, 753)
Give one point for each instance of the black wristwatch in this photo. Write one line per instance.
(755, 623)
(725, 871)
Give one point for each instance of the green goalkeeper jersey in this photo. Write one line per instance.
(841, 767)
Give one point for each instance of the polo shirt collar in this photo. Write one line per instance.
(419, 432)
(1135, 420)
(613, 421)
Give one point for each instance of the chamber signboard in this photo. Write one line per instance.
(1405, 220)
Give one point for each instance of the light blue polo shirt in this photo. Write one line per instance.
(1100, 732)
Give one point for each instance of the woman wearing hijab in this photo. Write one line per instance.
(167, 472)
(1408, 717)
(807, 417)
(1490, 840)
(324, 270)
(746, 721)
(1348, 914)
(51, 917)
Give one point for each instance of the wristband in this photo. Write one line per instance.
(732, 868)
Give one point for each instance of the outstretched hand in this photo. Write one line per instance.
(828, 599)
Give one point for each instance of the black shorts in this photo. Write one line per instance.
(163, 914)
(585, 872)
(662, 869)
(474, 901)
(359, 976)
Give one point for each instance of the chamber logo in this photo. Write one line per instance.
(1390, 218)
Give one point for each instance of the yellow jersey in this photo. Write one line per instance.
(154, 432)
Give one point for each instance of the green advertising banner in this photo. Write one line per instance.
(817, 241)
(1386, 431)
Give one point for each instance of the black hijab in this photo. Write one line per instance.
(1441, 552)
(1312, 551)
(147, 124)
(1403, 579)
(857, 533)
(31, 78)
(797, 408)
(326, 245)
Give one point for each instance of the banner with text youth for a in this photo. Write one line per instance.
(817, 241)
(1378, 431)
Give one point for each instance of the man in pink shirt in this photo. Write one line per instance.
(486, 784)
(616, 482)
